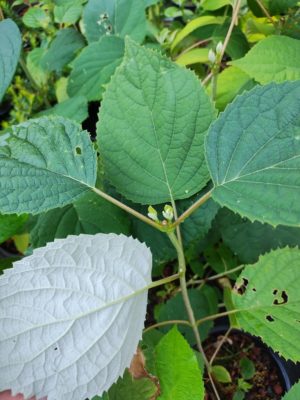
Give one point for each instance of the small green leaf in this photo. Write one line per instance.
(10, 47)
(68, 13)
(274, 59)
(178, 370)
(195, 24)
(153, 154)
(239, 395)
(75, 108)
(41, 167)
(117, 17)
(250, 175)
(268, 299)
(36, 17)
(95, 65)
(293, 393)
(63, 49)
(211, 5)
(34, 64)
(193, 57)
(221, 374)
(90, 214)
(11, 225)
(204, 303)
(247, 368)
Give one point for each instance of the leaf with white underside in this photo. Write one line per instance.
(274, 59)
(253, 153)
(268, 299)
(79, 305)
(293, 393)
(152, 123)
(44, 163)
(94, 66)
(10, 47)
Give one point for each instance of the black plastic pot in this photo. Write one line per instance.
(289, 371)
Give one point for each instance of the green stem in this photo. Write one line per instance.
(177, 243)
(214, 84)
(191, 209)
(220, 344)
(129, 210)
(265, 11)
(165, 323)
(217, 276)
(216, 316)
(235, 13)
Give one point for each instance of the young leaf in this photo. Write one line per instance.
(10, 225)
(178, 370)
(36, 17)
(194, 56)
(72, 315)
(247, 368)
(62, 49)
(117, 17)
(45, 163)
(10, 47)
(34, 65)
(293, 393)
(90, 214)
(268, 299)
(68, 12)
(274, 59)
(95, 65)
(154, 153)
(250, 174)
(221, 374)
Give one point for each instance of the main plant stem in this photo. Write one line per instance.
(177, 243)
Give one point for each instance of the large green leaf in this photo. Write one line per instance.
(178, 370)
(127, 388)
(253, 152)
(10, 47)
(75, 108)
(153, 121)
(293, 393)
(268, 299)
(274, 59)
(249, 240)
(95, 65)
(118, 17)
(62, 49)
(90, 214)
(10, 225)
(44, 163)
(204, 303)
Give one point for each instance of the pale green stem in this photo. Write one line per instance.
(220, 344)
(217, 276)
(214, 84)
(216, 316)
(165, 323)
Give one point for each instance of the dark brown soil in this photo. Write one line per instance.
(267, 381)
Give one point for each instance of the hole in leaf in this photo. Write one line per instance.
(241, 288)
(78, 150)
(275, 291)
(270, 318)
(254, 289)
(55, 348)
(282, 299)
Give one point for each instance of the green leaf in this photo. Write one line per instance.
(239, 395)
(63, 49)
(10, 47)
(221, 374)
(68, 13)
(194, 56)
(127, 388)
(154, 153)
(281, 6)
(274, 59)
(45, 163)
(95, 65)
(221, 259)
(250, 174)
(204, 303)
(247, 368)
(75, 108)
(268, 299)
(211, 5)
(36, 17)
(195, 24)
(293, 393)
(90, 214)
(34, 64)
(231, 82)
(249, 240)
(117, 17)
(11, 225)
(178, 371)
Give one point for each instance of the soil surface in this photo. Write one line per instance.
(267, 381)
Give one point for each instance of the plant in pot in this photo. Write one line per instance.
(72, 313)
